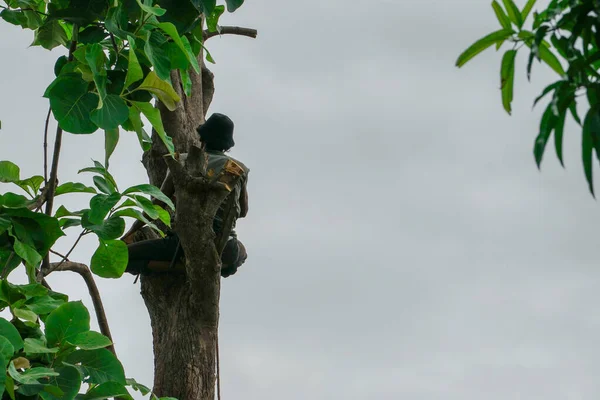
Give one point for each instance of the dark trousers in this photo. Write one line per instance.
(165, 249)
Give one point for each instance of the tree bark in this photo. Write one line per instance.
(184, 309)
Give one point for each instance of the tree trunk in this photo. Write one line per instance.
(184, 309)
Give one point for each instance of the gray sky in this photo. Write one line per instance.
(402, 243)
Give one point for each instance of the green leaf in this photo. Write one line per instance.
(98, 366)
(500, 14)
(136, 122)
(110, 259)
(558, 136)
(152, 191)
(153, 116)
(113, 113)
(90, 341)
(132, 213)
(212, 18)
(43, 305)
(92, 34)
(587, 149)
(147, 206)
(73, 187)
(513, 12)
(30, 376)
(103, 185)
(155, 48)
(96, 60)
(134, 69)
(72, 104)
(31, 185)
(10, 332)
(66, 322)
(30, 255)
(26, 19)
(550, 59)
(37, 346)
(547, 125)
(7, 350)
(109, 229)
(106, 390)
(144, 390)
(186, 82)
(100, 206)
(25, 315)
(527, 10)
(507, 78)
(50, 35)
(233, 5)
(69, 382)
(9, 172)
(111, 138)
(150, 9)
(482, 44)
(170, 30)
(163, 215)
(163, 90)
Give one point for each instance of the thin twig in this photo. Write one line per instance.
(46, 147)
(60, 255)
(87, 276)
(231, 30)
(65, 258)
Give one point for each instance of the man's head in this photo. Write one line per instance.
(217, 132)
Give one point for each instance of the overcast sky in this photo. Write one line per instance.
(402, 244)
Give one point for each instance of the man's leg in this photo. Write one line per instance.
(154, 255)
(234, 255)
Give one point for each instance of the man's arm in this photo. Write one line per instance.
(168, 189)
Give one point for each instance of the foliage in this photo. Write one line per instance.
(121, 54)
(565, 36)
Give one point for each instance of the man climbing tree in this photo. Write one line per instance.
(163, 255)
(128, 61)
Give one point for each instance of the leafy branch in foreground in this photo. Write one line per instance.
(564, 36)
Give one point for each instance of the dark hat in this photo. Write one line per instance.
(217, 132)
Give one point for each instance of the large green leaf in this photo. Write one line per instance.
(547, 124)
(9, 172)
(155, 49)
(7, 350)
(30, 376)
(110, 259)
(69, 381)
(90, 341)
(507, 78)
(43, 305)
(10, 332)
(153, 116)
(100, 206)
(66, 322)
(558, 136)
(108, 229)
(113, 113)
(96, 60)
(37, 346)
(24, 18)
(29, 254)
(50, 35)
(152, 191)
(550, 59)
(98, 366)
(482, 44)
(162, 89)
(72, 104)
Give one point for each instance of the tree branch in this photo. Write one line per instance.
(231, 30)
(87, 276)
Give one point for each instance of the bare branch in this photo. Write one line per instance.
(87, 276)
(231, 30)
